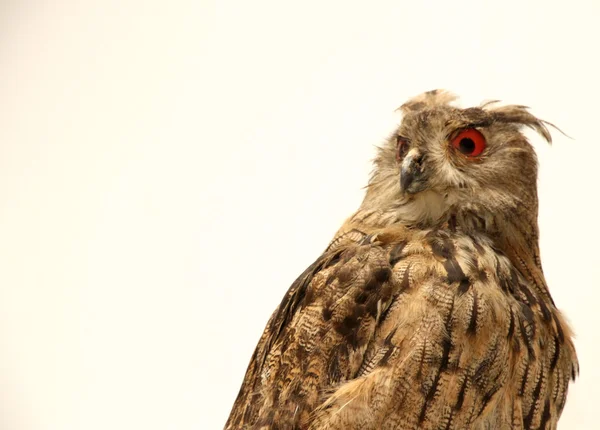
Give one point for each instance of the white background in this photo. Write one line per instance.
(168, 168)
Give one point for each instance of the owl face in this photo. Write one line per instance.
(461, 153)
(445, 159)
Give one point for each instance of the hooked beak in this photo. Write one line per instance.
(412, 177)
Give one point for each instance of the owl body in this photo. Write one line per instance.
(429, 308)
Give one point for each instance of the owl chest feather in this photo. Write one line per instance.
(476, 330)
(400, 328)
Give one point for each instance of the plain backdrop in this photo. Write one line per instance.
(167, 169)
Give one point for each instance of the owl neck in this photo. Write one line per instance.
(511, 227)
(432, 212)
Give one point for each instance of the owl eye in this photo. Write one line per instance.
(401, 147)
(470, 142)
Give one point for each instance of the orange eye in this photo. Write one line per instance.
(470, 142)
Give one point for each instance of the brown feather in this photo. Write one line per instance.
(427, 310)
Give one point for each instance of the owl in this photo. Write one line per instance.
(429, 308)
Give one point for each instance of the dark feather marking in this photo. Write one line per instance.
(359, 312)
(386, 293)
(382, 274)
(421, 362)
(449, 422)
(511, 326)
(531, 300)
(482, 275)
(327, 313)
(534, 401)
(471, 414)
(480, 220)
(441, 247)
(388, 353)
(345, 274)
(524, 381)
(476, 244)
(525, 267)
(464, 286)
(461, 395)
(528, 341)
(538, 386)
(309, 296)
(405, 283)
(452, 223)
(487, 397)
(480, 376)
(372, 284)
(334, 259)
(477, 117)
(446, 347)
(334, 372)
(455, 272)
(545, 415)
(511, 284)
(516, 344)
(301, 355)
(472, 329)
(311, 374)
(390, 348)
(371, 305)
(396, 253)
(529, 338)
(559, 329)
(449, 319)
(347, 328)
(361, 297)
(514, 276)
(529, 317)
(556, 354)
(546, 314)
(291, 301)
(388, 339)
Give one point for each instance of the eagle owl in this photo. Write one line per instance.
(429, 308)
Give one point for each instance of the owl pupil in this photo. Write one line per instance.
(466, 146)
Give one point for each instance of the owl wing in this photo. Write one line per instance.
(307, 343)
(406, 331)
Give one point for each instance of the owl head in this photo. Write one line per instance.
(443, 163)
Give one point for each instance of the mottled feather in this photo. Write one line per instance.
(427, 310)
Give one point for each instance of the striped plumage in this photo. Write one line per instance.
(429, 309)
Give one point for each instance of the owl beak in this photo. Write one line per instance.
(412, 177)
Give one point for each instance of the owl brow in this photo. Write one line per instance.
(399, 136)
(475, 117)
(481, 123)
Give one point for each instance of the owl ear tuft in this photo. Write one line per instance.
(427, 100)
(518, 114)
